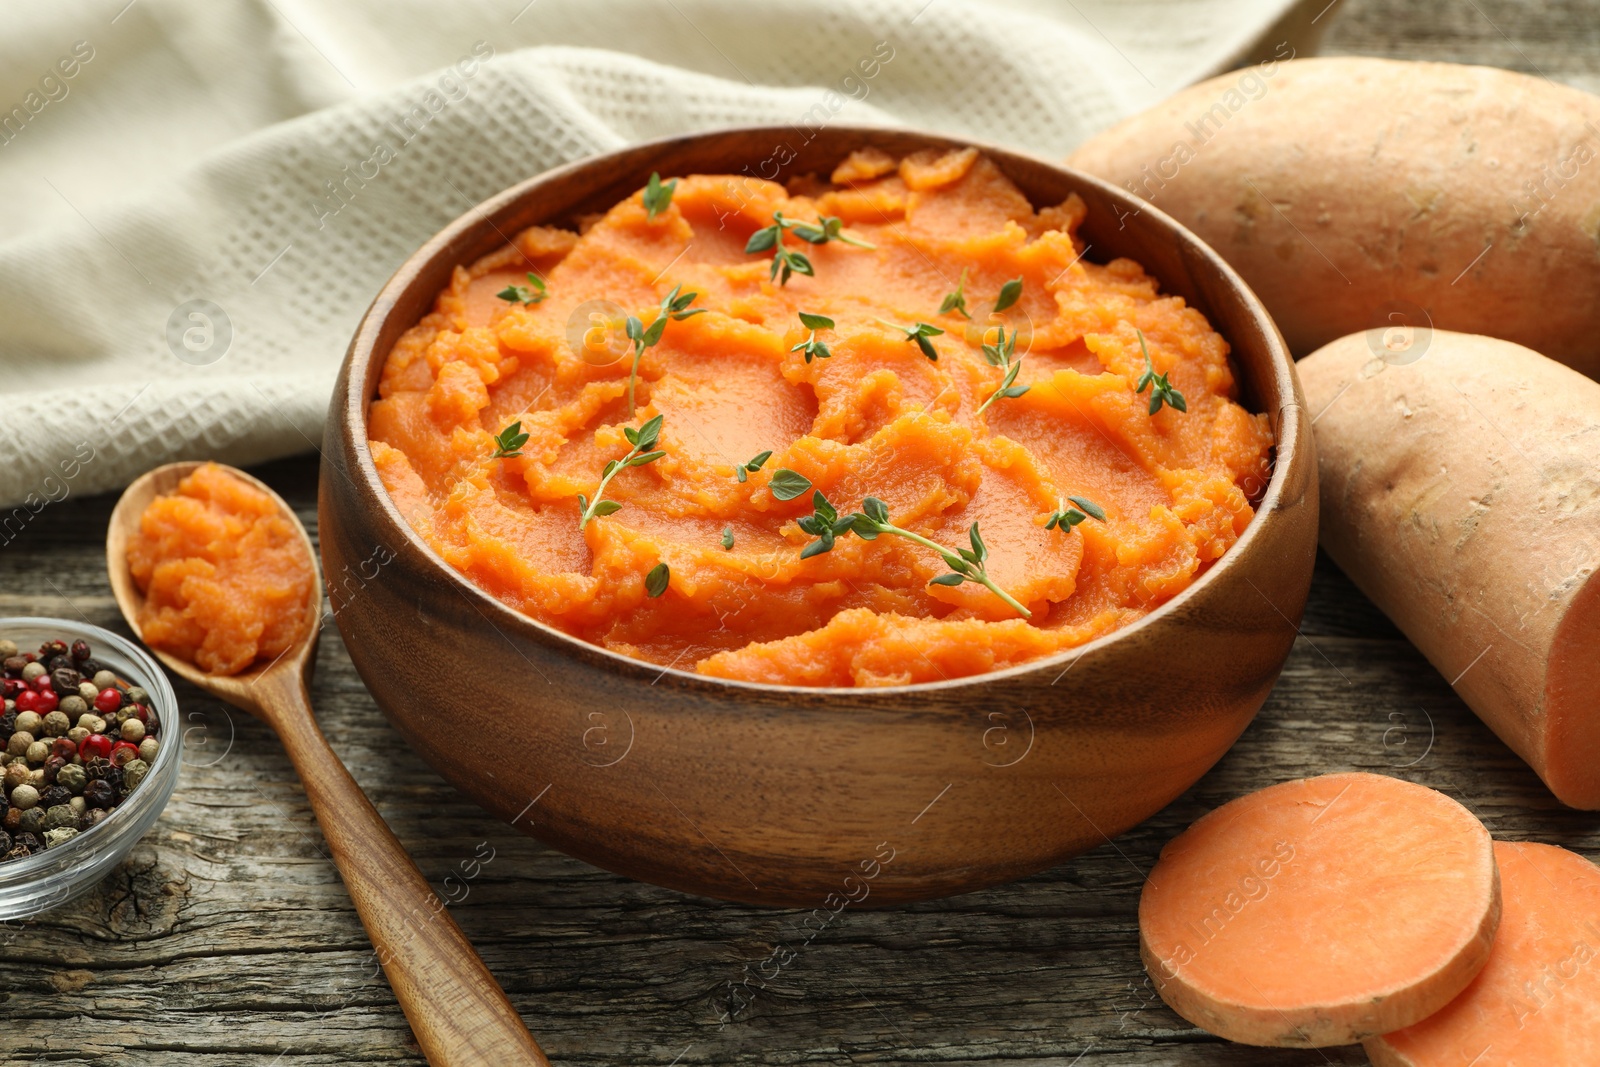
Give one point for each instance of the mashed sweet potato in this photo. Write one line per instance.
(877, 418)
(227, 579)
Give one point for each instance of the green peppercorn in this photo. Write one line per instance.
(32, 821)
(56, 724)
(93, 723)
(137, 695)
(59, 836)
(24, 797)
(134, 773)
(59, 816)
(72, 777)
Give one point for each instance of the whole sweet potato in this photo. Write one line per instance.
(1353, 193)
(1460, 484)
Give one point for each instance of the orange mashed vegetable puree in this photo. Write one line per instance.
(876, 418)
(227, 579)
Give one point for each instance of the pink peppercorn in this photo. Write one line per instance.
(108, 701)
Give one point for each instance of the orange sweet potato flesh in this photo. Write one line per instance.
(1321, 911)
(227, 579)
(876, 418)
(1537, 1001)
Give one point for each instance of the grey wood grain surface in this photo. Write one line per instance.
(227, 937)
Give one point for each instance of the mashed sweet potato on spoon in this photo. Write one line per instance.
(875, 418)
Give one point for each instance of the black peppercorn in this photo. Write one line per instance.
(64, 680)
(5, 842)
(100, 793)
(89, 668)
(53, 648)
(97, 768)
(54, 795)
(14, 664)
(80, 649)
(52, 767)
(29, 842)
(57, 663)
(8, 723)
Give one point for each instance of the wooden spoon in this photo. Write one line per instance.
(455, 1007)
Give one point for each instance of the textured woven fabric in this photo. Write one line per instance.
(178, 278)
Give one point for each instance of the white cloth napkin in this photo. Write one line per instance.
(177, 280)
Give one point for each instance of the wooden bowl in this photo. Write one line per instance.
(818, 797)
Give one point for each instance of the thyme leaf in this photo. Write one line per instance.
(918, 334)
(672, 307)
(1010, 293)
(956, 300)
(655, 583)
(813, 348)
(1161, 390)
(657, 196)
(532, 293)
(1003, 354)
(509, 441)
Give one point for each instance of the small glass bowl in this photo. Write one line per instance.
(53, 877)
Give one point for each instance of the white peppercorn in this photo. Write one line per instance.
(30, 722)
(104, 680)
(78, 804)
(148, 749)
(24, 797)
(133, 730)
(32, 671)
(8, 649)
(18, 745)
(87, 692)
(72, 706)
(38, 752)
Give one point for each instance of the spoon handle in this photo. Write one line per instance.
(456, 1009)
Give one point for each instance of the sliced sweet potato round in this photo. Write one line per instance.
(1321, 911)
(1537, 1000)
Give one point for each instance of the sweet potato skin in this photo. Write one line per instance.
(1347, 190)
(1461, 493)
(1537, 1000)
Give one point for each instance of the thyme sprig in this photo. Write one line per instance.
(956, 299)
(532, 293)
(918, 334)
(657, 196)
(1066, 518)
(966, 564)
(672, 307)
(786, 262)
(744, 470)
(509, 441)
(1003, 354)
(643, 451)
(1161, 390)
(813, 348)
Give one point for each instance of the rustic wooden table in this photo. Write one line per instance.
(227, 937)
